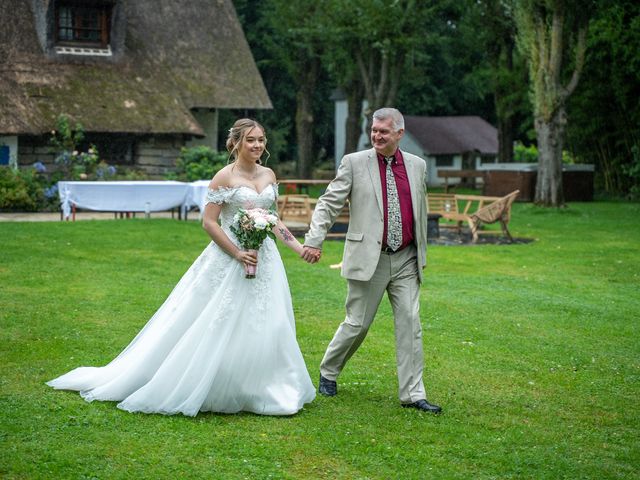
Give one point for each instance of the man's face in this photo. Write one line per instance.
(384, 138)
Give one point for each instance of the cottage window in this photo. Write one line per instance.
(78, 24)
(444, 161)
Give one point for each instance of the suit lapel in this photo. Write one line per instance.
(374, 174)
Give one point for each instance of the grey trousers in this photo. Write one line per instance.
(397, 274)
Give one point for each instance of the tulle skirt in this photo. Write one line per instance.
(219, 343)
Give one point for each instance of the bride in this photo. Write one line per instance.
(220, 342)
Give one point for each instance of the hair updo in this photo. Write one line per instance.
(237, 134)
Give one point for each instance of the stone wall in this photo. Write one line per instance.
(156, 156)
(33, 149)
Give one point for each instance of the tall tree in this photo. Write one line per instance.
(380, 37)
(503, 70)
(548, 32)
(298, 42)
(605, 109)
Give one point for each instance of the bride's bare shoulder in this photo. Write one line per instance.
(270, 174)
(221, 179)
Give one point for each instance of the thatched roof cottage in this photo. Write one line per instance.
(144, 77)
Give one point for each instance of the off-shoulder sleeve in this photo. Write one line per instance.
(217, 196)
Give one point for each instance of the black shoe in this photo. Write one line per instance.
(326, 387)
(424, 406)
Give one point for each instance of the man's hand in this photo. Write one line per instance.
(311, 254)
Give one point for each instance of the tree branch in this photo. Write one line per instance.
(581, 48)
(556, 45)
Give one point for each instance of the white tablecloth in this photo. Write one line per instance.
(196, 195)
(125, 196)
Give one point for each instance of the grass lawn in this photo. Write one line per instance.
(532, 350)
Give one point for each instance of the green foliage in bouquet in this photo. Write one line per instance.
(253, 226)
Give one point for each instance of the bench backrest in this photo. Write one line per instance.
(499, 209)
(295, 208)
(445, 203)
(441, 203)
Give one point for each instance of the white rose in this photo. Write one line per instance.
(260, 223)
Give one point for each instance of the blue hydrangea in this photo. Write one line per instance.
(52, 191)
(40, 167)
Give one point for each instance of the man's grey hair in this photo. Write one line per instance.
(397, 120)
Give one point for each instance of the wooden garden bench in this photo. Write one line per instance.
(474, 210)
(295, 209)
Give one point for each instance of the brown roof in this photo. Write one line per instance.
(453, 135)
(173, 56)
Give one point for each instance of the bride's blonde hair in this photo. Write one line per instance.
(237, 134)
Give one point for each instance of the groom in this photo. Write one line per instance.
(385, 250)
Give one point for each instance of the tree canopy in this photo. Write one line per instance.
(445, 57)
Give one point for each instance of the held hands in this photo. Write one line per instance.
(311, 254)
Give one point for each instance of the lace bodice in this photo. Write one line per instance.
(234, 198)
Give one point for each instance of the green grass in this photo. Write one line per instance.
(532, 350)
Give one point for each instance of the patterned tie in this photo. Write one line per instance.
(394, 220)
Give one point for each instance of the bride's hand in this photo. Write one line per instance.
(248, 258)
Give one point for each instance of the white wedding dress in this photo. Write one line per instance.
(219, 343)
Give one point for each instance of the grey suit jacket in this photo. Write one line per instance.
(358, 180)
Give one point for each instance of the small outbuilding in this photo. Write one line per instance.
(453, 142)
(143, 77)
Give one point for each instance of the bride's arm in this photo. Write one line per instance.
(210, 224)
(283, 233)
(280, 230)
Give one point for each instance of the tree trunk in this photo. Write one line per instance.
(544, 39)
(550, 133)
(304, 120)
(505, 139)
(355, 96)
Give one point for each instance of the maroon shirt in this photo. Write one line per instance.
(404, 195)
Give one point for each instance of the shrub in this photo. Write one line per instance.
(198, 163)
(74, 163)
(21, 190)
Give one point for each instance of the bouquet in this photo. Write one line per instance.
(251, 227)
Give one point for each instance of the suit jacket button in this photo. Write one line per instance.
(379, 242)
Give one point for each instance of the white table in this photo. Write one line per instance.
(123, 196)
(196, 196)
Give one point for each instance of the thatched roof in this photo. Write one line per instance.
(169, 56)
(453, 135)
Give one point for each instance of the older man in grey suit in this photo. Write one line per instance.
(385, 250)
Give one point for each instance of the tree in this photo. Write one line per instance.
(605, 109)
(373, 44)
(298, 42)
(549, 30)
(501, 69)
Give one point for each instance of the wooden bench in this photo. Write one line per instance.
(296, 210)
(473, 209)
(446, 174)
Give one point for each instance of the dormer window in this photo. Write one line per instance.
(82, 25)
